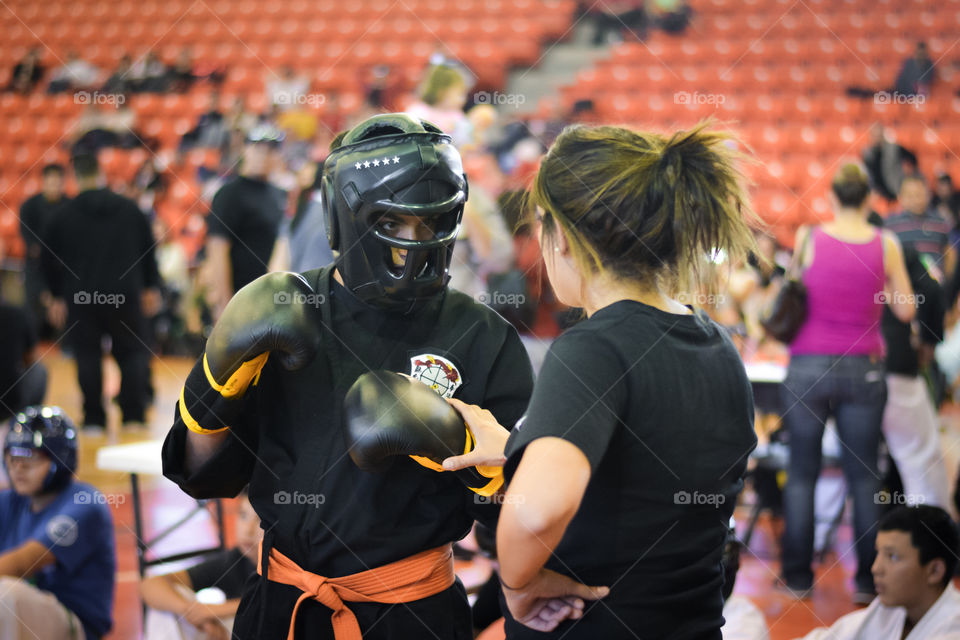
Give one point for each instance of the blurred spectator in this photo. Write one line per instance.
(946, 202)
(302, 244)
(920, 227)
(244, 220)
(537, 323)
(100, 264)
(27, 73)
(148, 74)
(176, 593)
(210, 132)
(917, 73)
(887, 163)
(75, 74)
(35, 214)
(382, 90)
(443, 95)
(484, 247)
(109, 126)
(23, 378)
(120, 80)
(167, 330)
(836, 367)
(765, 262)
(149, 185)
(180, 76)
(288, 89)
(672, 16)
(238, 121)
(910, 424)
(300, 126)
(610, 19)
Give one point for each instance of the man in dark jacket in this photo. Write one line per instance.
(100, 265)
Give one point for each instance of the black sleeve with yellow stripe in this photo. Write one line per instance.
(206, 407)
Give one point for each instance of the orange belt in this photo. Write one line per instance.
(419, 576)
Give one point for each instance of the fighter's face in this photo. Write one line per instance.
(897, 573)
(404, 228)
(27, 473)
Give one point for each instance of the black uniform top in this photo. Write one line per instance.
(660, 405)
(99, 242)
(247, 212)
(226, 570)
(315, 505)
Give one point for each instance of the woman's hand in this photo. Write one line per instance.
(490, 438)
(549, 599)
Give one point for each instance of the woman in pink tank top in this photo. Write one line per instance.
(851, 270)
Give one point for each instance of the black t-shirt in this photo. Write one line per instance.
(226, 570)
(316, 506)
(17, 338)
(660, 405)
(247, 213)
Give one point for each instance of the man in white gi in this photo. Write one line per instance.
(916, 559)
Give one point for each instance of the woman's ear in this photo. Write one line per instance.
(560, 241)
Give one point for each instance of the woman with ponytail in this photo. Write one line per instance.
(626, 468)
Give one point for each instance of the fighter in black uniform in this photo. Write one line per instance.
(263, 406)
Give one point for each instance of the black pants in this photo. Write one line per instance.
(125, 325)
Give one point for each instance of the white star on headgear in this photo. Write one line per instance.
(396, 160)
(358, 165)
(386, 161)
(376, 163)
(366, 164)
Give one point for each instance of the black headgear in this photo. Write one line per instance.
(46, 429)
(397, 164)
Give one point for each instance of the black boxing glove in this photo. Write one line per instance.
(387, 414)
(277, 313)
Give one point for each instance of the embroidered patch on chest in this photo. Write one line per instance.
(436, 372)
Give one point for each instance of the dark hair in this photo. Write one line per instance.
(851, 186)
(932, 533)
(85, 165)
(53, 167)
(645, 206)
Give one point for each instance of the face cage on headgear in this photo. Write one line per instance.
(49, 430)
(364, 181)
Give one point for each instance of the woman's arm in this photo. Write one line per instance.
(899, 290)
(542, 499)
